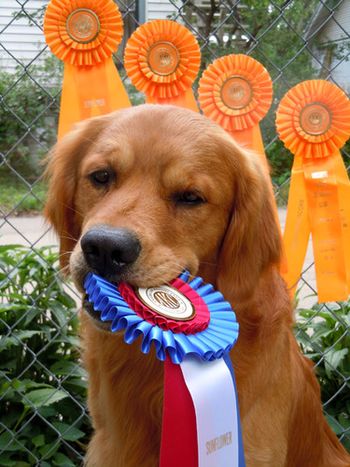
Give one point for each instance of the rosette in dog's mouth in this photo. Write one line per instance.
(162, 59)
(235, 91)
(310, 119)
(83, 32)
(186, 317)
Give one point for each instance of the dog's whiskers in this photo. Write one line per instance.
(65, 253)
(69, 237)
(70, 208)
(65, 269)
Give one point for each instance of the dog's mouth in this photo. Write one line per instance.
(95, 315)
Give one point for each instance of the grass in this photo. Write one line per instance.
(16, 197)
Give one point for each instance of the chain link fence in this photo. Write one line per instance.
(43, 418)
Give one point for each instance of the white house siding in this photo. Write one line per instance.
(21, 40)
(337, 31)
(161, 9)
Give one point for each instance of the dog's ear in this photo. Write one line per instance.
(252, 241)
(62, 168)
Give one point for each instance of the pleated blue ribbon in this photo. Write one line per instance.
(210, 344)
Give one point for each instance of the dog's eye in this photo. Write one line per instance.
(188, 198)
(101, 177)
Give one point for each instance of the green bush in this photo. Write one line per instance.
(323, 334)
(28, 117)
(42, 386)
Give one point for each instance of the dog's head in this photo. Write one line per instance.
(141, 194)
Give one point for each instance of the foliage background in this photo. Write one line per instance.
(43, 420)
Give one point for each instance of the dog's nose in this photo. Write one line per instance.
(108, 250)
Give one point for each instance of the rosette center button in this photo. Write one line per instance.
(315, 119)
(83, 25)
(236, 92)
(167, 301)
(163, 58)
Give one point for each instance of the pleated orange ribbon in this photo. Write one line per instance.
(313, 121)
(162, 60)
(84, 34)
(236, 92)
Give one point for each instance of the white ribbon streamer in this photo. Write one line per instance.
(214, 398)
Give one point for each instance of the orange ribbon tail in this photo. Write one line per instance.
(186, 99)
(89, 92)
(321, 181)
(344, 207)
(297, 228)
(312, 122)
(251, 139)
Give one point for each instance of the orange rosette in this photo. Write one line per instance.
(84, 34)
(236, 92)
(310, 119)
(313, 121)
(162, 59)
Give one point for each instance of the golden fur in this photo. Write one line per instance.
(232, 241)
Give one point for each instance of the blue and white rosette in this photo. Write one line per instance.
(193, 329)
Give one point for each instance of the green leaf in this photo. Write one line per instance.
(7, 307)
(24, 384)
(6, 461)
(334, 424)
(38, 441)
(72, 340)
(44, 397)
(16, 339)
(67, 301)
(47, 412)
(60, 315)
(333, 359)
(77, 385)
(8, 442)
(66, 367)
(322, 331)
(69, 433)
(62, 460)
(49, 450)
(31, 314)
(11, 247)
(344, 420)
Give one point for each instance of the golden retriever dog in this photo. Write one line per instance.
(141, 194)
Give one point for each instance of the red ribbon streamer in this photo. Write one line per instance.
(179, 440)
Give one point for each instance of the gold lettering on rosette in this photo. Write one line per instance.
(166, 300)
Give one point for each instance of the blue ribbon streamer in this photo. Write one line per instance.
(241, 460)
